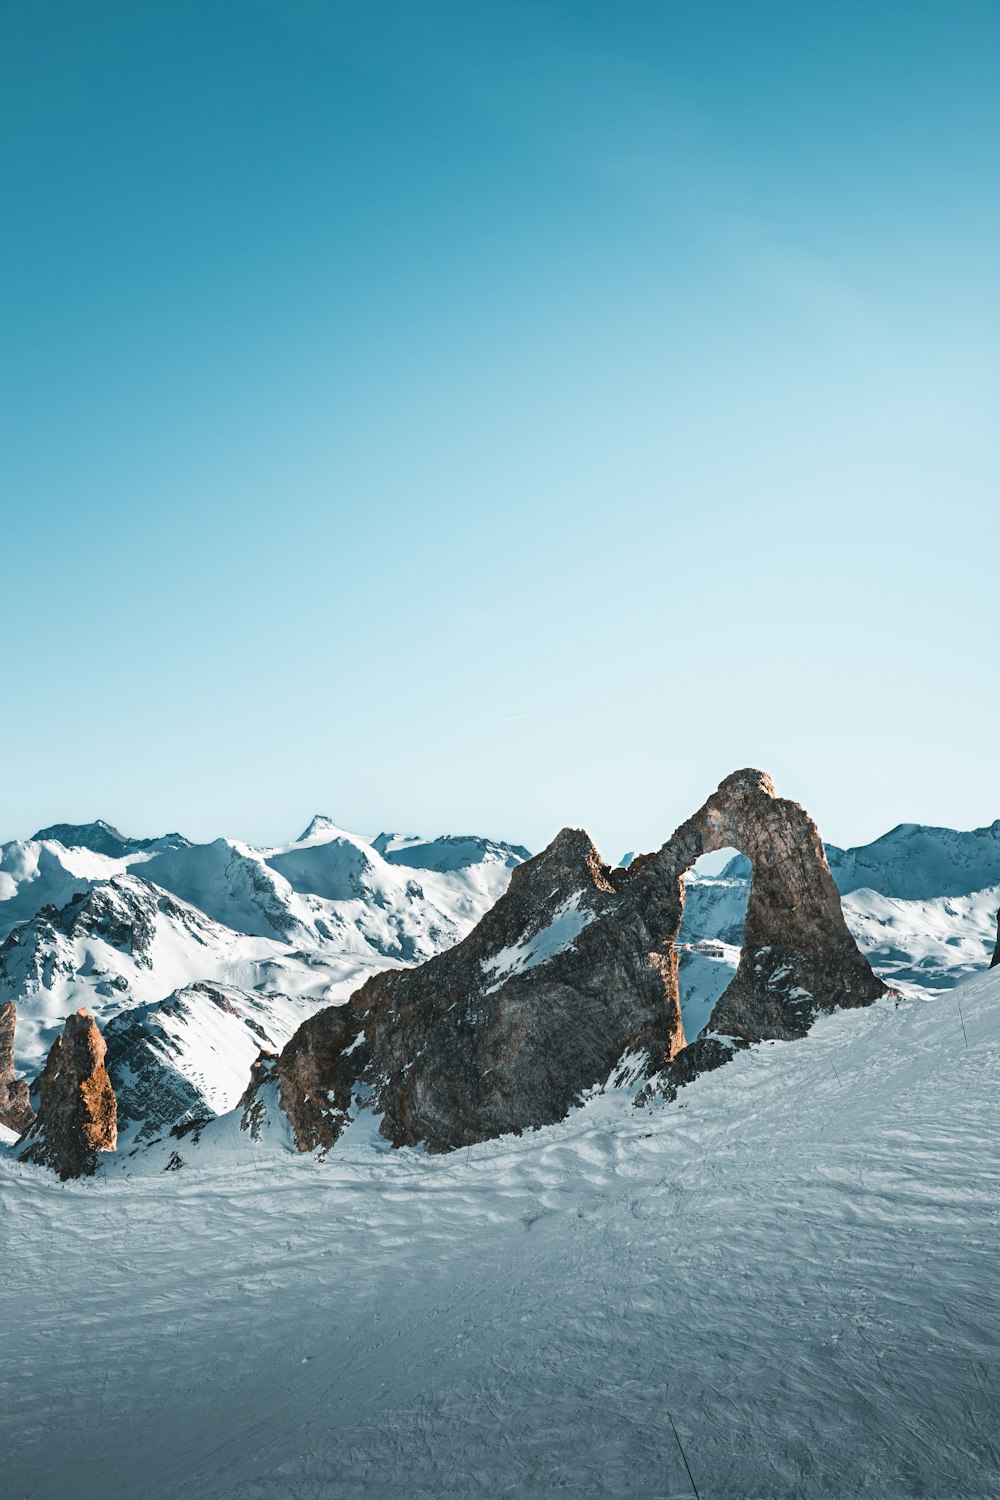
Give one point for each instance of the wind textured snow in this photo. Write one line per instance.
(795, 1263)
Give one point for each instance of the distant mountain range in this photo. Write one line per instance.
(194, 956)
(197, 955)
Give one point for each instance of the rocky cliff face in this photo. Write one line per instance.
(571, 977)
(505, 1030)
(996, 951)
(77, 1116)
(15, 1109)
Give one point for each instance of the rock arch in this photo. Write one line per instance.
(798, 954)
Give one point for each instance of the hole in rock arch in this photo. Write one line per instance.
(711, 934)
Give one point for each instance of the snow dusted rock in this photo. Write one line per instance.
(996, 951)
(78, 1113)
(799, 958)
(571, 972)
(507, 1029)
(15, 1109)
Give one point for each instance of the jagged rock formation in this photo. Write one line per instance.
(15, 1108)
(571, 972)
(996, 951)
(78, 1112)
(506, 1029)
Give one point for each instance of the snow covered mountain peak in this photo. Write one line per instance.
(915, 861)
(322, 828)
(449, 852)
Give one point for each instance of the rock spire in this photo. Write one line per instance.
(77, 1116)
(15, 1110)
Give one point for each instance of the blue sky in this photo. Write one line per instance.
(495, 416)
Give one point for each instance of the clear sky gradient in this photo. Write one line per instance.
(493, 416)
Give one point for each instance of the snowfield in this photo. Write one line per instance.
(796, 1262)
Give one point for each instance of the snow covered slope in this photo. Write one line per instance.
(794, 1266)
(190, 1056)
(119, 943)
(37, 873)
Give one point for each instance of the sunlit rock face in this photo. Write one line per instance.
(15, 1109)
(569, 981)
(78, 1114)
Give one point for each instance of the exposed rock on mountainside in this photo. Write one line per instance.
(15, 1109)
(78, 1113)
(187, 1057)
(571, 972)
(996, 951)
(102, 838)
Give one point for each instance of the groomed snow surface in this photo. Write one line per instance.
(796, 1262)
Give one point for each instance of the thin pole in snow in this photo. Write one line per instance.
(962, 1019)
(836, 1075)
(684, 1456)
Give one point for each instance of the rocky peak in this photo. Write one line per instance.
(504, 1031)
(77, 1116)
(15, 1110)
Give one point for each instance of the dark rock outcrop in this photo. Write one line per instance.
(996, 951)
(571, 972)
(508, 1028)
(15, 1108)
(78, 1112)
